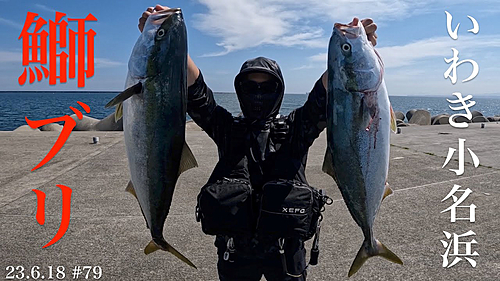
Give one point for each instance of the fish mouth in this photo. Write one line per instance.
(160, 16)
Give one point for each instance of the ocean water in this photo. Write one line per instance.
(14, 107)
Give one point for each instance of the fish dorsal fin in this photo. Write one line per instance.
(393, 120)
(127, 93)
(188, 160)
(328, 164)
(388, 191)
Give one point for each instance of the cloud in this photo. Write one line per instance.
(344, 10)
(246, 24)
(16, 57)
(45, 8)
(11, 23)
(321, 57)
(107, 63)
(383, 10)
(305, 66)
(414, 52)
(7, 56)
(315, 61)
(20, 26)
(241, 24)
(398, 56)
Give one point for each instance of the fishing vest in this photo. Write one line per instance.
(282, 208)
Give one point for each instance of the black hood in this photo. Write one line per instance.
(264, 65)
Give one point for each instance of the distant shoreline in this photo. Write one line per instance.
(494, 96)
(65, 92)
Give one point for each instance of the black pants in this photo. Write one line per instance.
(250, 262)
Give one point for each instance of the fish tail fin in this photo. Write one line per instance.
(387, 254)
(365, 253)
(153, 246)
(360, 259)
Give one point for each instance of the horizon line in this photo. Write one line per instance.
(216, 92)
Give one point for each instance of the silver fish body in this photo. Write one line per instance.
(154, 112)
(358, 132)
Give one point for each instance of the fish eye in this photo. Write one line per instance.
(346, 47)
(160, 33)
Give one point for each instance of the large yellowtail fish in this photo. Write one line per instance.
(153, 107)
(359, 120)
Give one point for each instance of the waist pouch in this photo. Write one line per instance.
(290, 209)
(225, 208)
(284, 209)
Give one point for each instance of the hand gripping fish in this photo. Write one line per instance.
(359, 120)
(153, 107)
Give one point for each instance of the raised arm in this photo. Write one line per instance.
(212, 118)
(310, 119)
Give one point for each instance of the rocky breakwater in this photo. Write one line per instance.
(92, 124)
(423, 117)
(86, 123)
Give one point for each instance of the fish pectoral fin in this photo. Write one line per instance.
(127, 93)
(365, 253)
(152, 246)
(394, 125)
(188, 160)
(328, 164)
(136, 89)
(387, 191)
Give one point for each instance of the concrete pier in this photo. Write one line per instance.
(108, 230)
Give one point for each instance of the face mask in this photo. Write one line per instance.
(259, 100)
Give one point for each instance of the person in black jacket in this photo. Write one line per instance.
(259, 147)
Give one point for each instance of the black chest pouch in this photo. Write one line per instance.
(226, 208)
(282, 209)
(290, 209)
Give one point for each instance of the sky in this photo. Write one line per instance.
(412, 40)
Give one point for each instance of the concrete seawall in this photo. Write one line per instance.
(108, 230)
